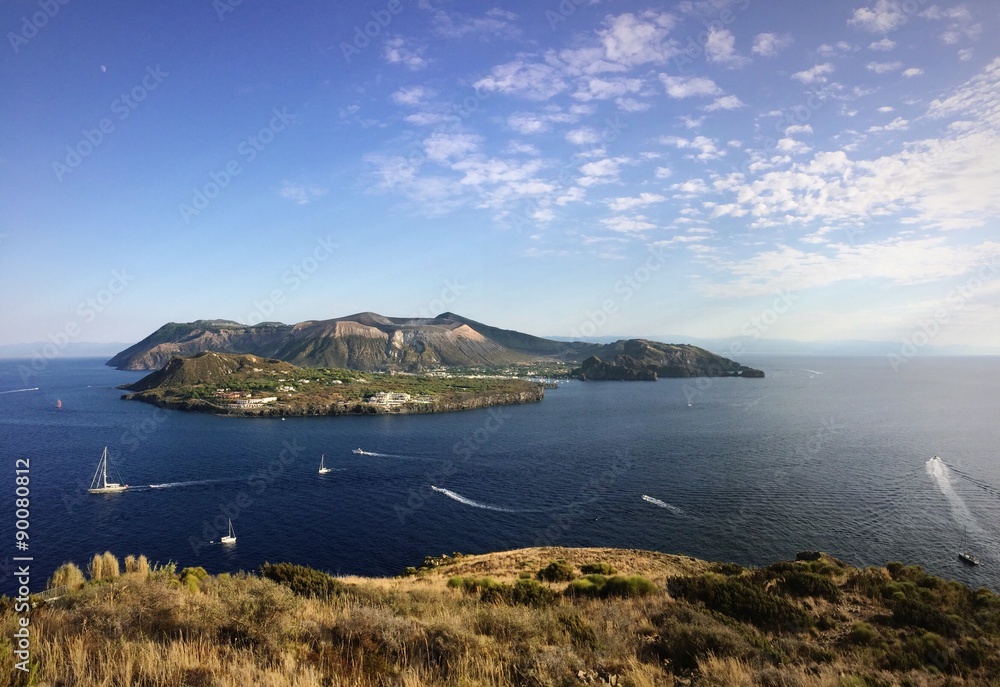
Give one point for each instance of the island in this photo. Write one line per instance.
(250, 386)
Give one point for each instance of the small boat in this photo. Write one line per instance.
(322, 468)
(231, 537)
(100, 483)
(964, 554)
(358, 451)
(967, 558)
(58, 403)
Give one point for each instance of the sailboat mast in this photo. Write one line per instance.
(104, 462)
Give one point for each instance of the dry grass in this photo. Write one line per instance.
(145, 628)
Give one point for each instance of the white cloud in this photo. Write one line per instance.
(663, 172)
(839, 48)
(412, 95)
(605, 89)
(898, 124)
(427, 118)
(634, 39)
(884, 67)
(886, 108)
(798, 129)
(896, 261)
(689, 86)
(582, 137)
(690, 188)
(883, 45)
(397, 50)
(912, 71)
(538, 122)
(885, 16)
(301, 194)
(643, 199)
(631, 105)
(533, 80)
(770, 44)
(442, 147)
(815, 74)
(603, 171)
(726, 102)
(792, 147)
(705, 148)
(965, 54)
(496, 23)
(637, 223)
(720, 48)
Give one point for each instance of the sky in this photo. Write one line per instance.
(709, 168)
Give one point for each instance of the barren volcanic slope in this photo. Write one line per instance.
(368, 341)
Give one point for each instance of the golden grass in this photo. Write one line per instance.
(145, 628)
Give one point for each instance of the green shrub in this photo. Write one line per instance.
(628, 587)
(303, 581)
(589, 586)
(802, 583)
(598, 569)
(742, 599)
(580, 632)
(864, 634)
(686, 635)
(557, 571)
(728, 569)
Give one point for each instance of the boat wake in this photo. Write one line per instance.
(662, 504)
(171, 485)
(17, 391)
(985, 486)
(938, 471)
(812, 372)
(469, 502)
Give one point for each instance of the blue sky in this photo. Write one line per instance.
(706, 168)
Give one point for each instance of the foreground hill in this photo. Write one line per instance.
(542, 616)
(368, 341)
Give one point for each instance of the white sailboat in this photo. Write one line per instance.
(322, 468)
(231, 537)
(100, 483)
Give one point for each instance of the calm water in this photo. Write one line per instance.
(825, 453)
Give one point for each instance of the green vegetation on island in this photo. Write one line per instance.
(544, 616)
(246, 385)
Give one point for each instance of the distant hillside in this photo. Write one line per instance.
(642, 360)
(209, 367)
(369, 341)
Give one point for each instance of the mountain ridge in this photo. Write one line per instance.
(370, 341)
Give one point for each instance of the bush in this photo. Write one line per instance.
(628, 587)
(802, 583)
(303, 581)
(728, 569)
(864, 634)
(557, 571)
(598, 569)
(67, 575)
(741, 599)
(589, 586)
(686, 635)
(103, 566)
(192, 577)
(581, 633)
(522, 592)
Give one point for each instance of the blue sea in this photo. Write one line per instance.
(834, 454)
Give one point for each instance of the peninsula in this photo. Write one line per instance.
(250, 386)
